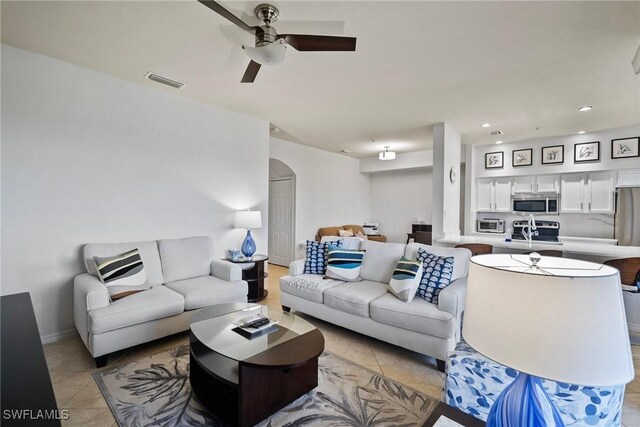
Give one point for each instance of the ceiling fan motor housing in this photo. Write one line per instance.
(265, 35)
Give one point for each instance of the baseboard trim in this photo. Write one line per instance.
(57, 336)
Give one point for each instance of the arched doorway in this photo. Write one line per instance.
(282, 190)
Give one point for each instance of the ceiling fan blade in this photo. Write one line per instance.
(251, 72)
(217, 7)
(306, 42)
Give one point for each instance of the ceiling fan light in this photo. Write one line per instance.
(271, 54)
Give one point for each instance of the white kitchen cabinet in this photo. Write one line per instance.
(523, 184)
(493, 195)
(502, 195)
(571, 193)
(535, 184)
(484, 195)
(587, 193)
(629, 178)
(547, 184)
(599, 192)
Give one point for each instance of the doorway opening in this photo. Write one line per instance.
(282, 190)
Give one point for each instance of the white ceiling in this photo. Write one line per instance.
(524, 67)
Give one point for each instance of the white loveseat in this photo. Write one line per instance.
(368, 308)
(183, 277)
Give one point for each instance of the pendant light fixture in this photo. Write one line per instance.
(386, 154)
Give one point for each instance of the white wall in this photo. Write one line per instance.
(399, 199)
(330, 190)
(87, 157)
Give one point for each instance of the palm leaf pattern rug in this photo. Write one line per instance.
(155, 391)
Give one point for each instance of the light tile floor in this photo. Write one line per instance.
(71, 365)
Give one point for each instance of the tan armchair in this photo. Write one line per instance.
(333, 231)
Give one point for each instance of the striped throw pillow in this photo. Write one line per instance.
(405, 280)
(344, 264)
(122, 274)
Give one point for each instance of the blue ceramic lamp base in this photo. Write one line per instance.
(524, 403)
(248, 247)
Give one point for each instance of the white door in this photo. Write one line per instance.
(571, 193)
(600, 192)
(281, 221)
(484, 195)
(502, 202)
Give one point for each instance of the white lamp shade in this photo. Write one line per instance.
(270, 54)
(565, 322)
(248, 219)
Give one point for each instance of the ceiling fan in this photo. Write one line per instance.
(270, 46)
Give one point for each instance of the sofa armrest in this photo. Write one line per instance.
(296, 268)
(226, 270)
(452, 299)
(89, 293)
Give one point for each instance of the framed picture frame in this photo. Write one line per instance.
(624, 148)
(522, 157)
(586, 152)
(494, 160)
(553, 155)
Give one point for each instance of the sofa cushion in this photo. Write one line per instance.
(344, 264)
(380, 260)
(202, 291)
(461, 256)
(418, 315)
(123, 274)
(155, 303)
(186, 258)
(347, 242)
(308, 286)
(354, 297)
(405, 280)
(148, 253)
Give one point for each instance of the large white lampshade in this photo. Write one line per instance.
(563, 320)
(248, 219)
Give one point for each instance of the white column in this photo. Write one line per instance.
(446, 194)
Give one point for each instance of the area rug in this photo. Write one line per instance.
(155, 391)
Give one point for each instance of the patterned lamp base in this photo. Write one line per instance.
(524, 403)
(248, 247)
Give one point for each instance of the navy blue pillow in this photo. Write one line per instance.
(317, 255)
(436, 275)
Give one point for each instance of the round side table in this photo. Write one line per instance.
(254, 276)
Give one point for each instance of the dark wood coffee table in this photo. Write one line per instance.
(244, 380)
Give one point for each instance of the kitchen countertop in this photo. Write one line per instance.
(579, 245)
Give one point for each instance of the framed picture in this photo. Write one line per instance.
(586, 152)
(522, 157)
(553, 155)
(494, 160)
(625, 147)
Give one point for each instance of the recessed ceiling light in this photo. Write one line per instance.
(580, 132)
(585, 108)
(498, 142)
(486, 125)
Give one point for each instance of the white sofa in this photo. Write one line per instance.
(183, 277)
(368, 308)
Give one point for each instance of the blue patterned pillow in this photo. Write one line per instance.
(317, 254)
(436, 275)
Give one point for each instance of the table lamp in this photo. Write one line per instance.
(555, 318)
(248, 219)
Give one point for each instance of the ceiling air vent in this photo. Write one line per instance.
(164, 80)
(497, 132)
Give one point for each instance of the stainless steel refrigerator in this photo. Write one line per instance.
(627, 219)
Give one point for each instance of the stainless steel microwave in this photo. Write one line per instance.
(536, 203)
